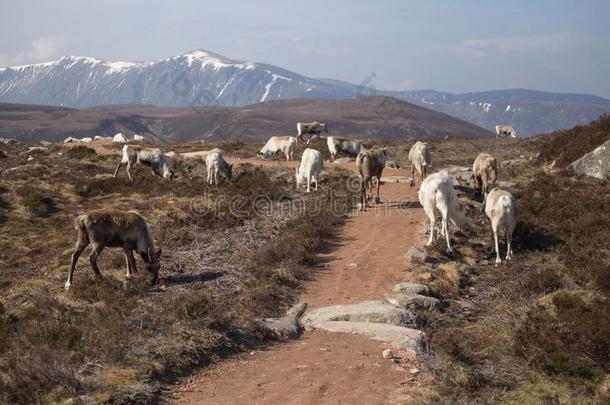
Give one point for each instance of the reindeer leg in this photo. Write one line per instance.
(116, 171)
(80, 246)
(412, 182)
(494, 228)
(127, 251)
(446, 228)
(128, 170)
(132, 261)
(97, 249)
(377, 199)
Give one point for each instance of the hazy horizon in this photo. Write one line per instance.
(554, 46)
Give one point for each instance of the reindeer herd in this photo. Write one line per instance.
(437, 194)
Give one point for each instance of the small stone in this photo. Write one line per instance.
(417, 255)
(387, 354)
(395, 360)
(414, 371)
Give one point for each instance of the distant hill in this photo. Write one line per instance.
(204, 78)
(367, 117)
(529, 112)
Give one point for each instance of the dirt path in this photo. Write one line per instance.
(322, 367)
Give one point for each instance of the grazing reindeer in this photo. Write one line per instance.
(485, 173)
(113, 228)
(215, 163)
(311, 165)
(151, 157)
(284, 144)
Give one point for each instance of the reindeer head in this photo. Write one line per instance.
(151, 263)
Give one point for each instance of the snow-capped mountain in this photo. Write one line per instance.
(202, 78)
(198, 78)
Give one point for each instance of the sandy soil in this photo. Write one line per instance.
(326, 368)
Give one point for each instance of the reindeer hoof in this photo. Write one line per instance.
(377, 200)
(68, 285)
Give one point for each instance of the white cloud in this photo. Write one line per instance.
(546, 42)
(37, 50)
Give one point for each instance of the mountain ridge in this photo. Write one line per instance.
(200, 78)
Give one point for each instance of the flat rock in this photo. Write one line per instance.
(344, 160)
(366, 311)
(411, 288)
(414, 301)
(25, 170)
(396, 179)
(595, 163)
(399, 337)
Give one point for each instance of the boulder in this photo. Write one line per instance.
(120, 138)
(26, 170)
(414, 301)
(418, 255)
(86, 140)
(411, 288)
(70, 140)
(287, 326)
(138, 138)
(101, 138)
(387, 354)
(366, 311)
(595, 163)
(45, 143)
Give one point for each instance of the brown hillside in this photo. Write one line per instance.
(368, 117)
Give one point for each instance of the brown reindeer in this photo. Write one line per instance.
(370, 163)
(113, 228)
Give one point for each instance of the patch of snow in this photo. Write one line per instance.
(508, 108)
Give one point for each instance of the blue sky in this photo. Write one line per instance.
(456, 46)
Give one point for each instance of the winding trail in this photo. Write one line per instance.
(322, 367)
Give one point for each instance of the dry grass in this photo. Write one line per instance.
(564, 147)
(536, 330)
(117, 340)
